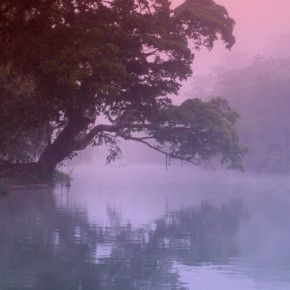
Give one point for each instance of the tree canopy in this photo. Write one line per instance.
(79, 62)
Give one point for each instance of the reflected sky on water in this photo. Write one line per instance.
(147, 228)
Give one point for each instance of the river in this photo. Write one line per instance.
(142, 227)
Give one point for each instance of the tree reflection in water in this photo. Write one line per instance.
(43, 246)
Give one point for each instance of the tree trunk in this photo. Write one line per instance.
(61, 148)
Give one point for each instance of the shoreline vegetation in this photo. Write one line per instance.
(16, 182)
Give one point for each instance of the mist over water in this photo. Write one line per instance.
(135, 225)
(142, 227)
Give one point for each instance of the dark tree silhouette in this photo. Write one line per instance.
(75, 63)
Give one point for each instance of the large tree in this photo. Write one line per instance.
(117, 60)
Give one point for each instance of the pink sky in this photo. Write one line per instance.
(258, 20)
(257, 23)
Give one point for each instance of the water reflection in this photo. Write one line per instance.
(47, 245)
(39, 247)
(206, 234)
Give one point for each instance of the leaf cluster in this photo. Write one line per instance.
(197, 131)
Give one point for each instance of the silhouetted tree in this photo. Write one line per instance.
(89, 59)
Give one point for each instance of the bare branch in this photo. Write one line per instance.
(171, 155)
(150, 53)
(84, 142)
(146, 138)
(118, 129)
(148, 7)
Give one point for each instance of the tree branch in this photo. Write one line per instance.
(141, 140)
(147, 54)
(84, 142)
(118, 129)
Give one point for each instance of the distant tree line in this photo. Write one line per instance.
(260, 92)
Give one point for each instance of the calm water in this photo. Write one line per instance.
(145, 228)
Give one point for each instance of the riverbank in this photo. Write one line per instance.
(11, 182)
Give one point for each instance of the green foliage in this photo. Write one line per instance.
(22, 130)
(198, 131)
(206, 19)
(79, 61)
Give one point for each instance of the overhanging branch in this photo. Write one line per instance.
(84, 142)
(119, 130)
(174, 156)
